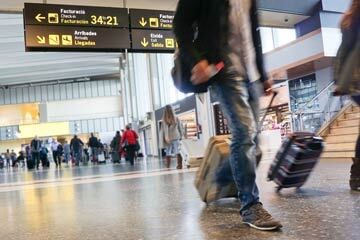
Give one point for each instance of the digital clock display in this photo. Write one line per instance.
(72, 15)
(104, 20)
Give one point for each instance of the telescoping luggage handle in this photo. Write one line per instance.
(275, 93)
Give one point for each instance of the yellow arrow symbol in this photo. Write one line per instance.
(39, 18)
(41, 39)
(144, 42)
(143, 22)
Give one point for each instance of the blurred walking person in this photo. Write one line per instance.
(35, 151)
(347, 74)
(7, 158)
(225, 49)
(116, 148)
(67, 152)
(93, 146)
(76, 147)
(171, 134)
(13, 158)
(129, 142)
(55, 153)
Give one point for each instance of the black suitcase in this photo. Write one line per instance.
(30, 164)
(295, 160)
(45, 163)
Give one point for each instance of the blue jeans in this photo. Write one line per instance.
(173, 148)
(239, 101)
(77, 156)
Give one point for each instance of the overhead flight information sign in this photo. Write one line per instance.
(153, 40)
(151, 19)
(79, 38)
(50, 27)
(51, 14)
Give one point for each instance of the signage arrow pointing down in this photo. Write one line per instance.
(143, 22)
(39, 18)
(144, 42)
(40, 40)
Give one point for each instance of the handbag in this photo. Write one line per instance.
(137, 146)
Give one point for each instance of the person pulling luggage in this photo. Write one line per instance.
(93, 146)
(225, 46)
(129, 142)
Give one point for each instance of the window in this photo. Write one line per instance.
(272, 38)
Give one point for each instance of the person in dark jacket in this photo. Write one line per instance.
(60, 150)
(222, 39)
(45, 163)
(93, 146)
(35, 146)
(128, 140)
(116, 148)
(76, 147)
(13, 158)
(347, 74)
(21, 159)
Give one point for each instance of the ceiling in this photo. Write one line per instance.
(279, 19)
(17, 5)
(19, 67)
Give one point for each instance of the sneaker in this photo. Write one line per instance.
(257, 217)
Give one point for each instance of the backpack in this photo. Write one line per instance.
(60, 148)
(43, 152)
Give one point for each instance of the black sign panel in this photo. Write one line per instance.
(69, 15)
(151, 19)
(153, 40)
(76, 38)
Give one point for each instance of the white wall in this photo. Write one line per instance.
(89, 108)
(294, 53)
(331, 40)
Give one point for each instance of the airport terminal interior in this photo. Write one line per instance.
(85, 92)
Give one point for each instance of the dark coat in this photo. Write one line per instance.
(347, 61)
(201, 29)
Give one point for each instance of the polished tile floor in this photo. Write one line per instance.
(149, 202)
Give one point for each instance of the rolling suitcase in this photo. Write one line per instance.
(101, 159)
(210, 183)
(115, 157)
(192, 152)
(295, 160)
(214, 179)
(30, 164)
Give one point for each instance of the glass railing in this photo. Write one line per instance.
(318, 111)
